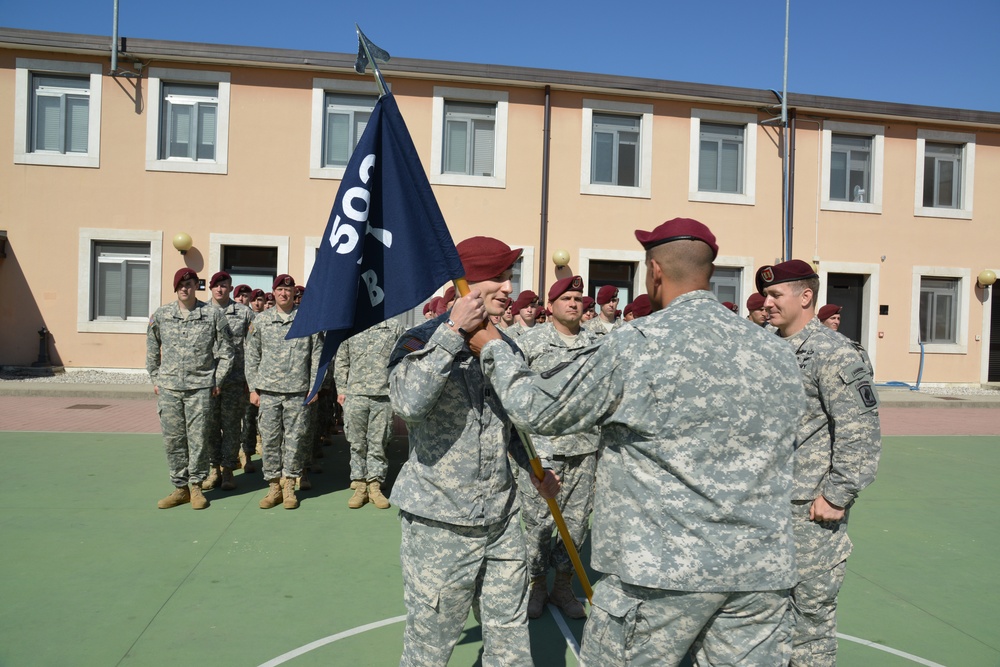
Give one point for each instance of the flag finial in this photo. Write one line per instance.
(368, 52)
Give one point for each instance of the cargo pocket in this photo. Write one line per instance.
(610, 630)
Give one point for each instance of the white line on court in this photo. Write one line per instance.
(567, 633)
(294, 653)
(901, 654)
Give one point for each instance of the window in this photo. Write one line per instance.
(940, 311)
(945, 173)
(188, 121)
(617, 149)
(57, 113)
(723, 157)
(250, 259)
(852, 167)
(469, 137)
(725, 285)
(119, 277)
(340, 113)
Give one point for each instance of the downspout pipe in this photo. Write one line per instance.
(114, 42)
(543, 240)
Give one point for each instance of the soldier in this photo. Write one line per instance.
(241, 294)
(836, 456)
(588, 309)
(691, 524)
(257, 300)
(573, 458)
(462, 543)
(627, 315)
(607, 317)
(525, 312)
(641, 307)
(362, 377)
(732, 306)
(280, 373)
(229, 407)
(189, 352)
(758, 314)
(829, 316)
(507, 317)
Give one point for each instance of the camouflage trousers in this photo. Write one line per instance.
(448, 570)
(636, 626)
(575, 500)
(814, 602)
(228, 409)
(250, 429)
(284, 433)
(185, 417)
(368, 424)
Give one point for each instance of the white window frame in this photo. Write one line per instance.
(85, 278)
(309, 258)
(154, 112)
(216, 241)
(964, 276)
(25, 67)
(749, 121)
(743, 264)
(968, 174)
(645, 113)
(877, 134)
(319, 90)
(498, 97)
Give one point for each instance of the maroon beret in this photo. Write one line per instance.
(449, 294)
(269, 296)
(628, 309)
(257, 294)
(828, 311)
(242, 289)
(731, 306)
(525, 299)
(642, 306)
(429, 307)
(786, 272)
(182, 275)
(605, 294)
(676, 230)
(284, 280)
(218, 278)
(440, 305)
(567, 284)
(588, 303)
(484, 258)
(299, 289)
(755, 302)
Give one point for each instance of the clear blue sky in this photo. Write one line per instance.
(940, 53)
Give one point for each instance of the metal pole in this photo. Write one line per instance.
(114, 42)
(544, 234)
(785, 222)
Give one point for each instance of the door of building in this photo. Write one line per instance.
(619, 274)
(993, 370)
(256, 266)
(847, 290)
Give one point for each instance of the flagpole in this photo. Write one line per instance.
(366, 49)
(462, 287)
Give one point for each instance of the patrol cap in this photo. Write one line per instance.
(588, 303)
(642, 306)
(786, 272)
(449, 294)
(828, 311)
(525, 299)
(242, 289)
(606, 294)
(755, 302)
(182, 275)
(218, 278)
(284, 280)
(731, 306)
(484, 257)
(257, 294)
(567, 284)
(678, 229)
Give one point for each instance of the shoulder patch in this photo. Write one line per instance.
(412, 344)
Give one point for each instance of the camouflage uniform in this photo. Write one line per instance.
(572, 457)
(186, 357)
(281, 372)
(516, 330)
(596, 325)
(229, 407)
(690, 525)
(461, 542)
(837, 456)
(362, 375)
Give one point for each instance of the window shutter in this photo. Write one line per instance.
(483, 146)
(179, 135)
(628, 159)
(456, 146)
(78, 125)
(48, 123)
(360, 123)
(109, 290)
(206, 131)
(708, 166)
(338, 138)
(137, 283)
(603, 157)
(730, 170)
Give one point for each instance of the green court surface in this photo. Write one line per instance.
(93, 574)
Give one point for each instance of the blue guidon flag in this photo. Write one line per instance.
(386, 247)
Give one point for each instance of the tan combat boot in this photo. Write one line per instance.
(228, 481)
(562, 596)
(273, 497)
(212, 479)
(360, 496)
(537, 597)
(288, 491)
(198, 499)
(180, 496)
(304, 483)
(375, 495)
